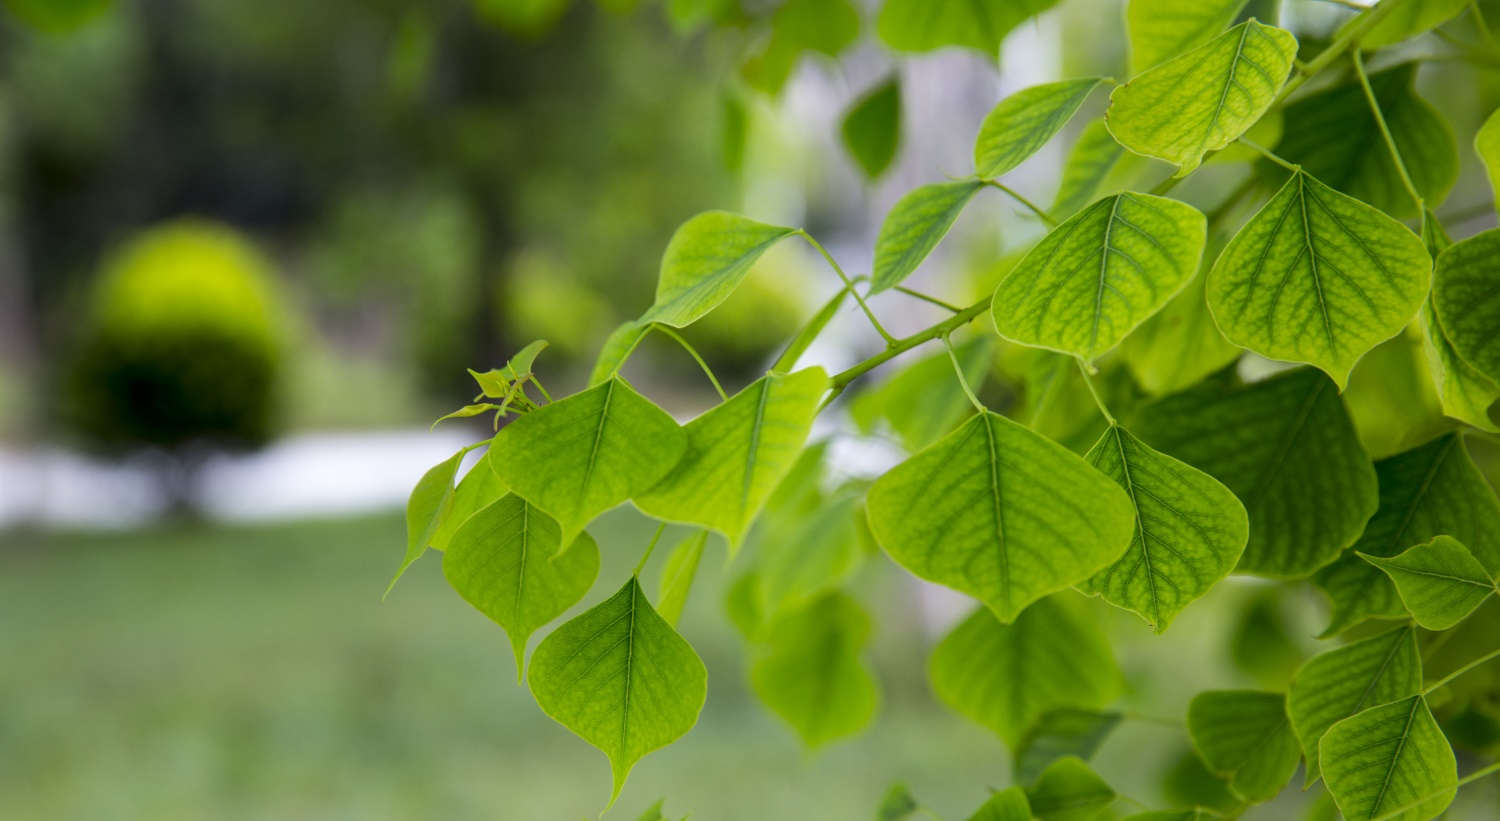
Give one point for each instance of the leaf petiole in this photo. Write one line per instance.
(661, 528)
(1385, 131)
(1269, 154)
(1016, 195)
(928, 298)
(1445, 680)
(958, 370)
(1084, 368)
(849, 284)
(707, 371)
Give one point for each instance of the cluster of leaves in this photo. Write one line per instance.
(1146, 497)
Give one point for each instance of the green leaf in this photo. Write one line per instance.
(505, 562)
(1163, 29)
(1487, 146)
(826, 27)
(872, 128)
(1179, 345)
(1068, 791)
(1009, 804)
(1000, 513)
(580, 456)
(1190, 530)
(1060, 733)
(1388, 757)
(617, 346)
(477, 490)
(924, 401)
(677, 576)
(1338, 683)
(1244, 735)
(467, 411)
(1463, 293)
(1202, 100)
(1007, 676)
(805, 555)
(1407, 20)
(1334, 136)
(737, 453)
(897, 804)
(814, 677)
(1100, 274)
(1173, 815)
(1093, 155)
(1318, 277)
(1286, 448)
(426, 508)
(914, 227)
(1023, 122)
(620, 678)
(707, 258)
(925, 25)
(1431, 490)
(1467, 395)
(1440, 581)
(57, 16)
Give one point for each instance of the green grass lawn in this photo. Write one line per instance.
(253, 672)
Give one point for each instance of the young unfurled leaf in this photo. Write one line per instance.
(1009, 804)
(1068, 790)
(1000, 513)
(1190, 530)
(924, 401)
(1487, 146)
(1179, 345)
(1101, 273)
(707, 258)
(1338, 683)
(498, 383)
(1430, 490)
(677, 577)
(504, 560)
(426, 509)
(737, 453)
(1334, 136)
(1388, 757)
(1466, 394)
(1466, 280)
(477, 490)
(580, 456)
(1244, 735)
(914, 227)
(1006, 676)
(1022, 123)
(1163, 29)
(1060, 733)
(1204, 99)
(809, 553)
(1407, 20)
(1286, 448)
(925, 25)
(1318, 277)
(814, 676)
(1440, 581)
(1093, 155)
(468, 411)
(620, 678)
(617, 346)
(872, 128)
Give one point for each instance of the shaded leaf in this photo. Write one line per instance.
(897, 804)
(426, 508)
(1009, 804)
(1093, 155)
(1068, 791)
(1060, 733)
(814, 677)
(477, 490)
(1162, 29)
(1101, 273)
(1007, 676)
(504, 560)
(1440, 581)
(915, 225)
(872, 128)
(925, 25)
(1022, 123)
(1244, 735)
(1387, 757)
(705, 261)
(1467, 395)
(1487, 146)
(1190, 530)
(677, 577)
(924, 401)
(805, 555)
(1464, 290)
(1204, 99)
(1179, 345)
(617, 346)
(1000, 513)
(1408, 20)
(620, 678)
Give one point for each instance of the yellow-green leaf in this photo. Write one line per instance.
(915, 225)
(706, 259)
(1440, 581)
(1022, 123)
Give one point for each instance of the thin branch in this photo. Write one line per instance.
(928, 298)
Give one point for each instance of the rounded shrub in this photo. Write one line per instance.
(181, 343)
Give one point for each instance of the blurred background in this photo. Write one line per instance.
(247, 250)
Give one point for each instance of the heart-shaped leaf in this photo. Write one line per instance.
(1440, 581)
(915, 225)
(1244, 736)
(814, 677)
(1464, 290)
(1022, 123)
(1389, 757)
(707, 258)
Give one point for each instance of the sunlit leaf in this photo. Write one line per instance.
(1338, 683)
(705, 261)
(620, 678)
(1007, 676)
(1464, 287)
(814, 677)
(1467, 395)
(580, 456)
(1100, 274)
(1487, 146)
(1009, 804)
(1244, 735)
(677, 576)
(924, 400)
(1440, 581)
(617, 346)
(426, 509)
(914, 227)
(1286, 448)
(737, 453)
(1059, 733)
(1179, 345)
(1204, 99)
(1163, 29)
(1431, 490)
(1190, 530)
(872, 128)
(1093, 155)
(924, 25)
(1022, 123)
(1068, 791)
(504, 560)
(1000, 513)
(1389, 757)
(1318, 277)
